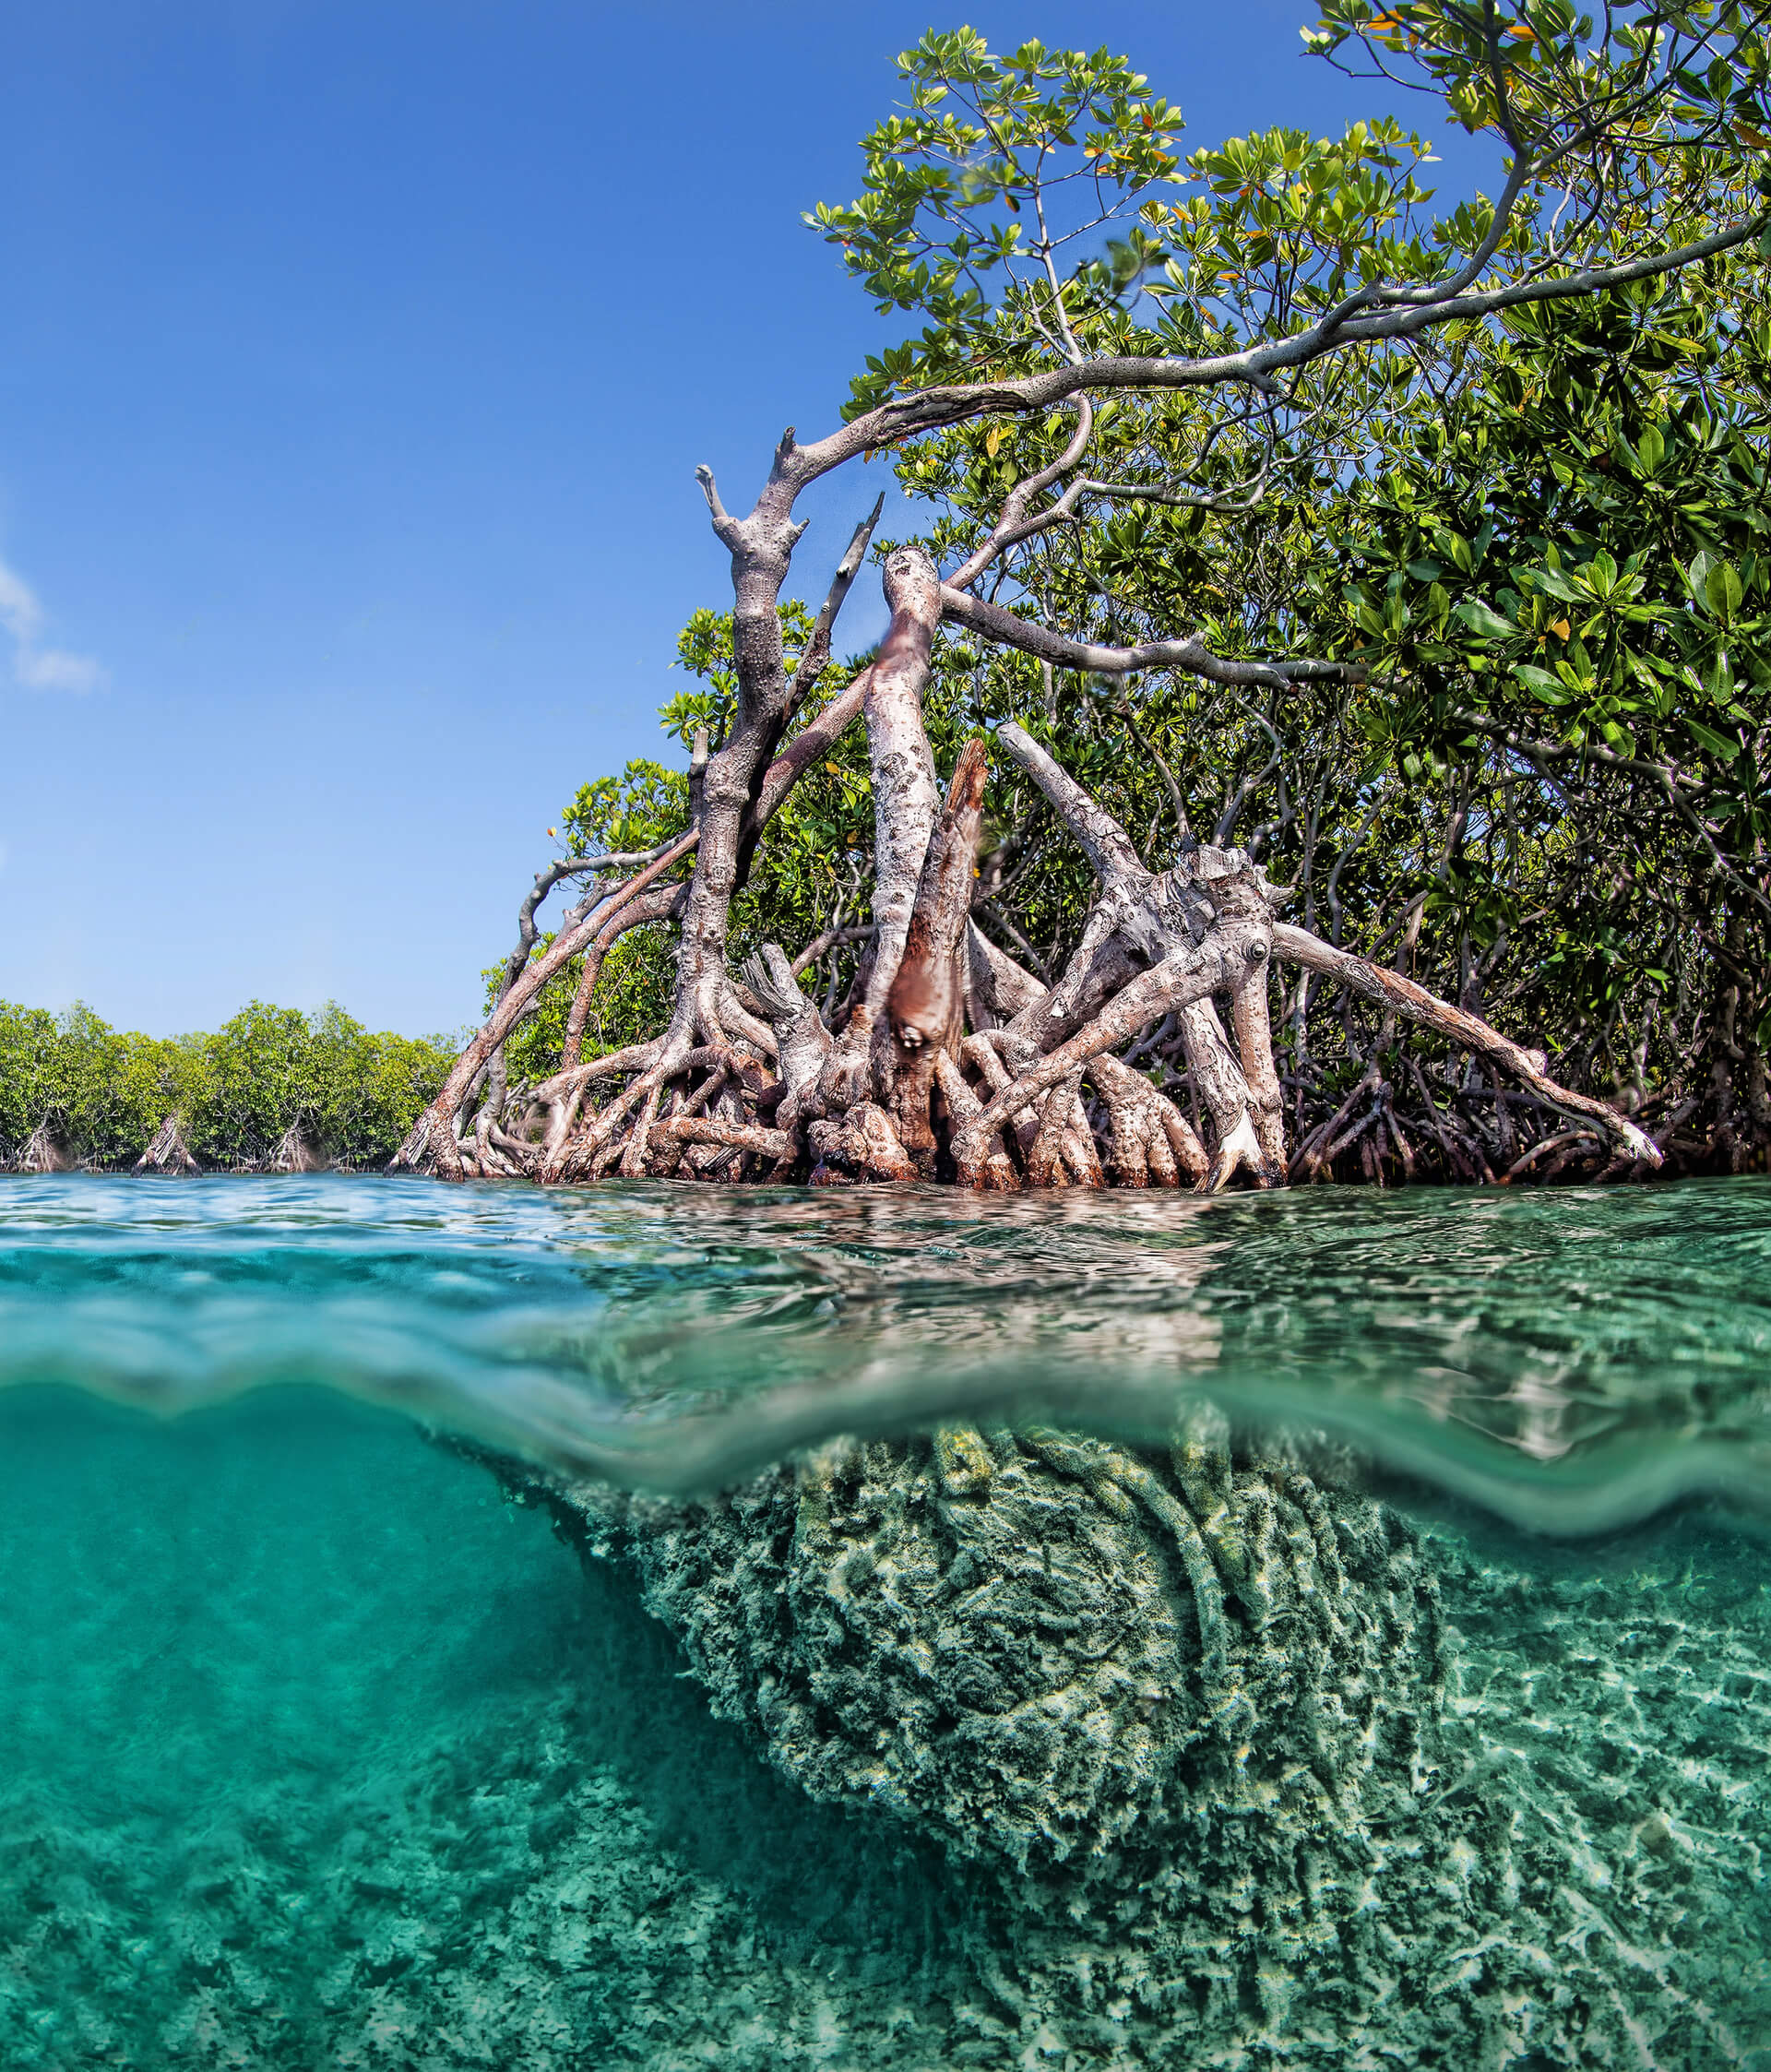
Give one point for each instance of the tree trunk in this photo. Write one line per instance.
(924, 1008)
(905, 799)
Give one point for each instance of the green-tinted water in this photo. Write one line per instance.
(314, 1749)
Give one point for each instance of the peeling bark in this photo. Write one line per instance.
(924, 1006)
(905, 802)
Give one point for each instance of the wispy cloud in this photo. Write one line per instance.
(35, 667)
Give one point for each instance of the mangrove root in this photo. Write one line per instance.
(949, 1059)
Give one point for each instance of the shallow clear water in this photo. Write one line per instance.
(317, 1748)
(1570, 1359)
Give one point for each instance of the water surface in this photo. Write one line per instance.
(1571, 1359)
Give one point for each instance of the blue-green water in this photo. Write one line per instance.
(315, 1749)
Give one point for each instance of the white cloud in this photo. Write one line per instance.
(53, 669)
(40, 669)
(19, 612)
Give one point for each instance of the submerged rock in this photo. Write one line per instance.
(1237, 1788)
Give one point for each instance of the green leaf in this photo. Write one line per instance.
(1540, 683)
(1717, 743)
(1484, 620)
(1554, 583)
(1722, 590)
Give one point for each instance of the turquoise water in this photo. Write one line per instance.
(317, 1747)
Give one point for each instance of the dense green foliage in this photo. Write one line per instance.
(1549, 796)
(84, 1092)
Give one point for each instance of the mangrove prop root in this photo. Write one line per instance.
(748, 1137)
(1391, 991)
(748, 1079)
(168, 1151)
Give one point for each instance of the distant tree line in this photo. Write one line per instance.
(273, 1090)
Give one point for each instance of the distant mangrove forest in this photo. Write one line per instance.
(272, 1090)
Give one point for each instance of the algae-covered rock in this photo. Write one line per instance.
(1255, 1769)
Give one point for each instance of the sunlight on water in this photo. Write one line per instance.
(322, 1745)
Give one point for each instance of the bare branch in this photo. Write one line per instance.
(434, 1126)
(1390, 991)
(994, 622)
(927, 410)
(1187, 976)
(817, 658)
(1013, 525)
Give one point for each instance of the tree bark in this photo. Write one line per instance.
(1187, 975)
(905, 802)
(924, 1006)
(430, 1139)
(1141, 919)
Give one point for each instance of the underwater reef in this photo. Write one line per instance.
(1245, 1767)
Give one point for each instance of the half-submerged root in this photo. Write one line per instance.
(297, 1150)
(44, 1151)
(1034, 1645)
(168, 1151)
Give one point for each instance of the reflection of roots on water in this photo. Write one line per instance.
(1245, 1760)
(883, 1310)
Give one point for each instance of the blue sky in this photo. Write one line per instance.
(356, 365)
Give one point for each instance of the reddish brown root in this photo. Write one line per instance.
(990, 1166)
(861, 1144)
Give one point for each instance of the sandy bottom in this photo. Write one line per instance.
(313, 1750)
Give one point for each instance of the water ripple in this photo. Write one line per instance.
(1573, 1358)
